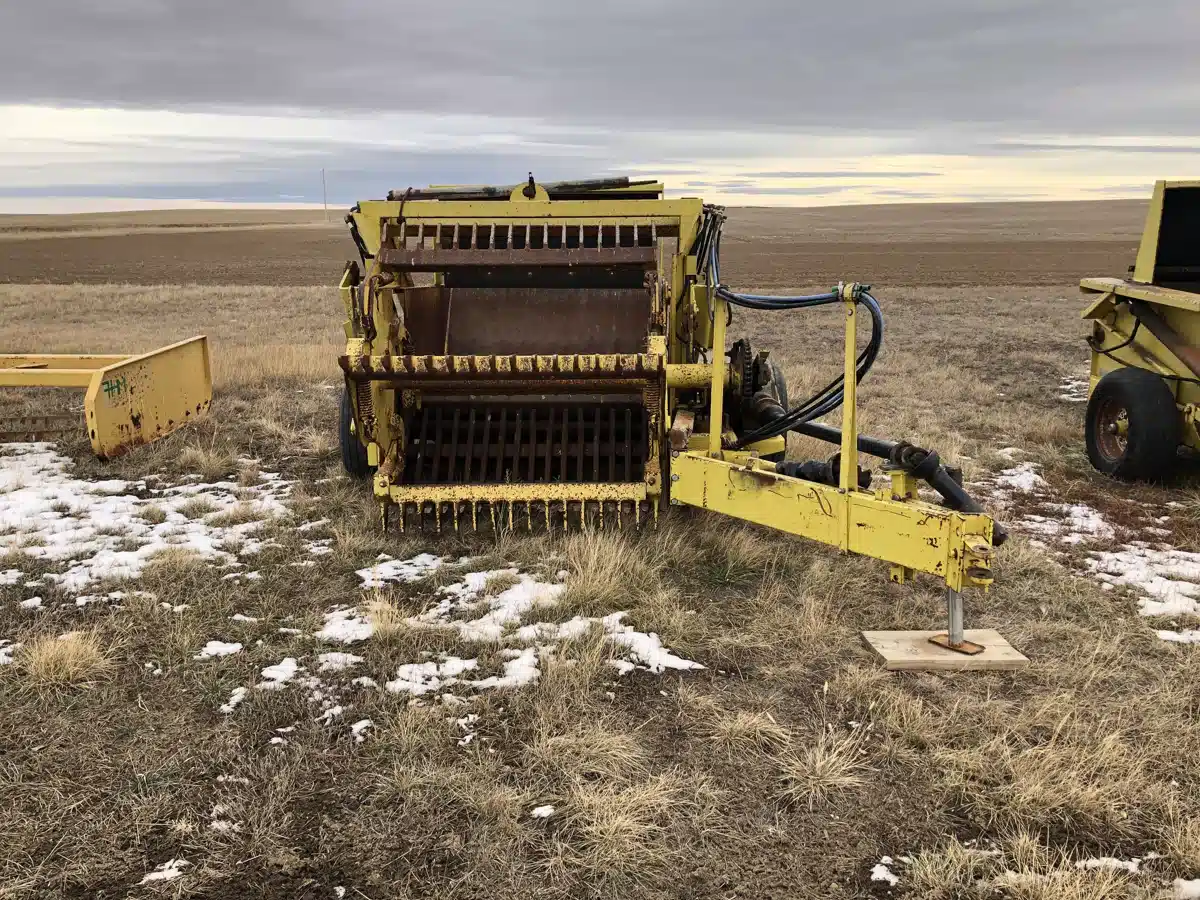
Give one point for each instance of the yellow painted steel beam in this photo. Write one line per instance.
(88, 361)
(35, 377)
(916, 535)
(716, 395)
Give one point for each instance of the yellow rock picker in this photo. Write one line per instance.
(542, 354)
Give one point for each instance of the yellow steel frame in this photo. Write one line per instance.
(130, 400)
(1114, 323)
(891, 524)
(888, 524)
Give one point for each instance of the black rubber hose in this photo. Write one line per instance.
(925, 464)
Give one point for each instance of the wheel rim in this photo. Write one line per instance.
(1112, 428)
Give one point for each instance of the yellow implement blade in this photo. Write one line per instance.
(143, 398)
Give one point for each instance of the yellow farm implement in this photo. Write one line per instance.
(1144, 398)
(557, 352)
(129, 400)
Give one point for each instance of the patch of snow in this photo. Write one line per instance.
(232, 779)
(7, 648)
(103, 534)
(1110, 862)
(1186, 889)
(366, 682)
(327, 717)
(217, 648)
(1023, 477)
(521, 669)
(31, 603)
(1074, 390)
(881, 872)
(345, 626)
(359, 730)
(238, 617)
(276, 676)
(238, 695)
(400, 570)
(1187, 636)
(168, 871)
(645, 648)
(289, 631)
(11, 576)
(542, 812)
(1168, 577)
(422, 678)
(309, 526)
(337, 661)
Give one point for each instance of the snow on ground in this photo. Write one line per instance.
(497, 619)
(238, 695)
(7, 649)
(1110, 862)
(881, 872)
(336, 662)
(276, 676)
(93, 530)
(345, 626)
(542, 812)
(1167, 578)
(217, 648)
(1186, 889)
(168, 871)
(1073, 390)
(402, 570)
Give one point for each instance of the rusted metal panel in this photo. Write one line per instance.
(438, 260)
(526, 321)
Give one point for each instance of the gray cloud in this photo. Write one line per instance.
(1008, 147)
(837, 175)
(1031, 65)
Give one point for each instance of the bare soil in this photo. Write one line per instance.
(917, 245)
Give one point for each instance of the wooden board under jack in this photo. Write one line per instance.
(912, 651)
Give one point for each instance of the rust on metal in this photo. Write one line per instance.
(439, 260)
(965, 647)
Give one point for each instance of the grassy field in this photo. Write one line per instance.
(760, 751)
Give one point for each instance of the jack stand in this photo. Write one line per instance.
(953, 650)
(953, 639)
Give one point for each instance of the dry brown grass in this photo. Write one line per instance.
(70, 660)
(748, 776)
(825, 767)
(746, 731)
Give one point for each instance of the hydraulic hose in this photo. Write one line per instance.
(925, 464)
(708, 248)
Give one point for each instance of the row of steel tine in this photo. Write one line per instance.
(484, 237)
(508, 515)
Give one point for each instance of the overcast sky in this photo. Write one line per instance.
(753, 101)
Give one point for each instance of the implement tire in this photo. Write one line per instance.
(1132, 426)
(354, 454)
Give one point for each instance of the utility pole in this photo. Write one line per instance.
(324, 195)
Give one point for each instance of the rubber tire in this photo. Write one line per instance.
(782, 397)
(1152, 442)
(354, 454)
